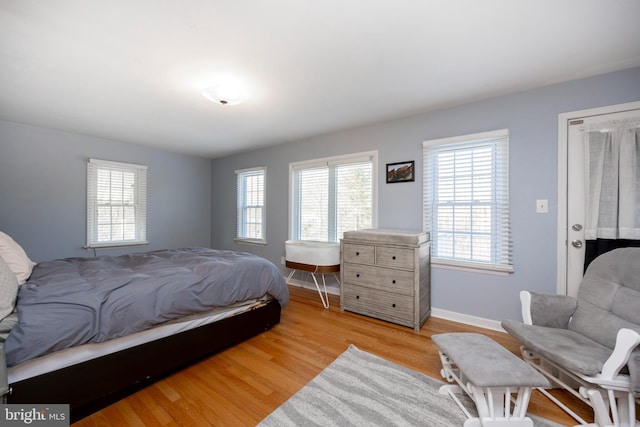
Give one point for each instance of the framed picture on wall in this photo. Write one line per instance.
(400, 172)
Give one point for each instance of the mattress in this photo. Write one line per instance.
(74, 355)
(75, 301)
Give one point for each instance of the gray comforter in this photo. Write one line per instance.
(74, 301)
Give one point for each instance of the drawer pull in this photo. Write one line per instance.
(393, 281)
(357, 253)
(393, 305)
(357, 274)
(357, 296)
(393, 257)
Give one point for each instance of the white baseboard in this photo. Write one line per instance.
(480, 322)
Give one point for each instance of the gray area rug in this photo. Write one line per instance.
(361, 389)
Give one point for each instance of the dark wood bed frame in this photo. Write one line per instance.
(92, 385)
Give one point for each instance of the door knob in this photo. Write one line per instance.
(577, 243)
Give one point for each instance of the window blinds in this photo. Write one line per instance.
(250, 208)
(331, 196)
(313, 204)
(466, 199)
(116, 203)
(354, 197)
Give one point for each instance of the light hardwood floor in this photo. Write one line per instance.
(243, 384)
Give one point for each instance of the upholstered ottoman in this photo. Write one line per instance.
(489, 374)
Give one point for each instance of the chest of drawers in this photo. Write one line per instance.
(386, 274)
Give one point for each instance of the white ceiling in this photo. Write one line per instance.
(133, 70)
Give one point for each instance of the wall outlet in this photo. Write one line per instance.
(282, 260)
(542, 206)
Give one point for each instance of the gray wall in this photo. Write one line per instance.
(43, 192)
(532, 119)
(191, 201)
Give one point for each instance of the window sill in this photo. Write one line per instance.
(471, 266)
(115, 245)
(254, 242)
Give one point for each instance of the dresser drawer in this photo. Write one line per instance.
(399, 281)
(361, 254)
(383, 305)
(394, 257)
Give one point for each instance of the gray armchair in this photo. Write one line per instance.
(590, 345)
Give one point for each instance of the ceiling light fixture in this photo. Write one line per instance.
(226, 94)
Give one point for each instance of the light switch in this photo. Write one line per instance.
(542, 206)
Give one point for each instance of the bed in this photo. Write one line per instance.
(141, 317)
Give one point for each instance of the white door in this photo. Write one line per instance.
(573, 225)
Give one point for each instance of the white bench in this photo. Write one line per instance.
(489, 374)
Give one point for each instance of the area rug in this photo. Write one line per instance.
(361, 389)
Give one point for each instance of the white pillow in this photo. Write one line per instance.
(8, 289)
(16, 258)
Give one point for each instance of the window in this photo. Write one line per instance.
(333, 195)
(116, 204)
(250, 193)
(466, 201)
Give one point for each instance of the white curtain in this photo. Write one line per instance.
(612, 162)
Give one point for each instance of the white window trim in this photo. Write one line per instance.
(141, 204)
(450, 264)
(245, 240)
(328, 161)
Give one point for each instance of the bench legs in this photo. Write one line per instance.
(496, 406)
